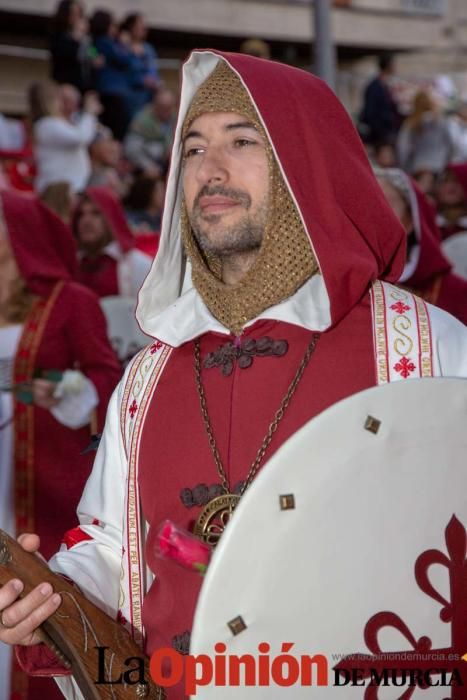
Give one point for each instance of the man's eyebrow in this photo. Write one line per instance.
(193, 134)
(240, 125)
(228, 127)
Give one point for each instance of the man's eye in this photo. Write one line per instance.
(244, 142)
(192, 152)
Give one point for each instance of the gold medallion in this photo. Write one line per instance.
(214, 518)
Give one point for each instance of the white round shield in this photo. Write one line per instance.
(350, 546)
(455, 249)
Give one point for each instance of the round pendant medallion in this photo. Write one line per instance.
(214, 518)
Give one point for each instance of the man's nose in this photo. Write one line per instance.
(213, 168)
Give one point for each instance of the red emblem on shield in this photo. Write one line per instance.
(422, 655)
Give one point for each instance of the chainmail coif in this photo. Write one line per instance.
(285, 260)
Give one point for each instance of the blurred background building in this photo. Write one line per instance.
(428, 36)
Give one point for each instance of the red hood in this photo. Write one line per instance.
(354, 233)
(431, 260)
(43, 245)
(114, 215)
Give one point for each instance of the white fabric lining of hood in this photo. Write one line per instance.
(165, 307)
(188, 317)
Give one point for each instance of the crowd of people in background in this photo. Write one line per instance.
(104, 119)
(422, 142)
(113, 58)
(420, 160)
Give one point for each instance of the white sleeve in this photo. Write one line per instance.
(75, 410)
(53, 131)
(449, 338)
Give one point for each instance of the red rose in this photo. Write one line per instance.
(179, 545)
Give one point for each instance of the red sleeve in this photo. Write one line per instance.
(38, 660)
(94, 356)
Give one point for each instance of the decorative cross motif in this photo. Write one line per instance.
(133, 408)
(400, 307)
(405, 366)
(155, 347)
(453, 612)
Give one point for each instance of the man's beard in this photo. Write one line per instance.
(244, 236)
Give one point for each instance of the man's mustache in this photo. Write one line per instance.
(219, 190)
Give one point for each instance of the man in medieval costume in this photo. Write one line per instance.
(286, 306)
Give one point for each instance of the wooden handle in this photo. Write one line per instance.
(79, 631)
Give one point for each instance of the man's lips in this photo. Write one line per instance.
(210, 205)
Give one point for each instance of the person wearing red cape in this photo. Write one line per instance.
(110, 262)
(451, 200)
(267, 300)
(57, 372)
(427, 271)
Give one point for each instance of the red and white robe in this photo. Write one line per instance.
(155, 462)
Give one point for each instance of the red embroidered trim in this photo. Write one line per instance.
(431, 340)
(25, 361)
(383, 294)
(126, 397)
(133, 408)
(135, 588)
